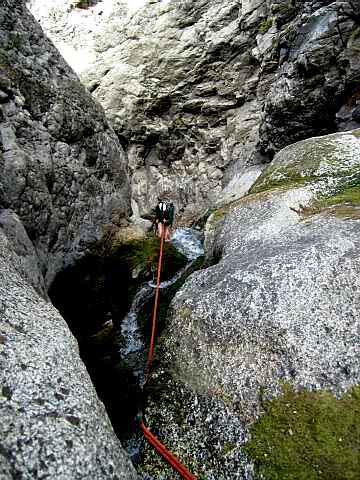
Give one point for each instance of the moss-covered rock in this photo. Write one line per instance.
(332, 159)
(311, 435)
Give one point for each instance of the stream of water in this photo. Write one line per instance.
(189, 242)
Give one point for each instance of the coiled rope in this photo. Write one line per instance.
(174, 462)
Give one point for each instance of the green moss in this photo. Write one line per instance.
(100, 287)
(201, 222)
(308, 161)
(343, 201)
(142, 253)
(307, 436)
(347, 195)
(227, 448)
(299, 167)
(289, 179)
(265, 26)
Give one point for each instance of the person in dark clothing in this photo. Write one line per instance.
(164, 216)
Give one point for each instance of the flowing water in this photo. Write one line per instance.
(189, 242)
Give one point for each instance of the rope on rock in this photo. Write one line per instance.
(155, 442)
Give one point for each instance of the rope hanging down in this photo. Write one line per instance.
(174, 462)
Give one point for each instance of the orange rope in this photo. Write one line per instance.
(174, 462)
(155, 303)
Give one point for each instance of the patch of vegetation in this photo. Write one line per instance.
(307, 436)
(93, 296)
(108, 278)
(201, 222)
(144, 254)
(314, 160)
(347, 195)
(343, 201)
(289, 178)
(293, 178)
(265, 26)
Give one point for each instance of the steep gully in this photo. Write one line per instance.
(115, 351)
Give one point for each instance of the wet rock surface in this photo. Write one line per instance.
(199, 91)
(281, 305)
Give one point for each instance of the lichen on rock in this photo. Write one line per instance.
(49, 407)
(63, 182)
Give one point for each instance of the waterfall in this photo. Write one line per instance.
(188, 242)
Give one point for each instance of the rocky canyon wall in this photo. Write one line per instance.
(198, 96)
(201, 92)
(63, 171)
(63, 181)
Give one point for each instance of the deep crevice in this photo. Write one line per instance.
(94, 296)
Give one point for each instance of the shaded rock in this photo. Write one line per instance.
(63, 182)
(24, 249)
(319, 68)
(281, 305)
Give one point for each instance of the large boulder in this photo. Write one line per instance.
(52, 422)
(318, 68)
(186, 85)
(281, 305)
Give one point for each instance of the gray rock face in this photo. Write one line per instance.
(319, 66)
(187, 85)
(281, 305)
(52, 422)
(62, 169)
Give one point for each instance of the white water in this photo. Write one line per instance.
(189, 242)
(133, 341)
